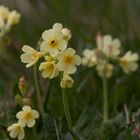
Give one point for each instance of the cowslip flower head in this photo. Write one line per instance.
(30, 55)
(53, 42)
(89, 58)
(48, 69)
(13, 18)
(129, 62)
(110, 47)
(16, 130)
(67, 61)
(105, 69)
(67, 81)
(27, 116)
(4, 12)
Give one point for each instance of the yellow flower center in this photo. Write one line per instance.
(50, 67)
(18, 129)
(68, 59)
(124, 62)
(27, 116)
(34, 55)
(53, 43)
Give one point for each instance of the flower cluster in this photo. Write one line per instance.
(108, 52)
(57, 57)
(7, 19)
(26, 117)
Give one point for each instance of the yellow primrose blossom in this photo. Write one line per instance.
(67, 81)
(4, 12)
(89, 58)
(27, 116)
(110, 47)
(67, 61)
(13, 18)
(48, 69)
(53, 42)
(16, 130)
(30, 55)
(128, 62)
(105, 69)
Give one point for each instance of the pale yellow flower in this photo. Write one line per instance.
(27, 116)
(66, 33)
(89, 58)
(57, 27)
(67, 81)
(128, 62)
(110, 47)
(30, 56)
(16, 130)
(67, 61)
(53, 42)
(48, 69)
(105, 69)
(4, 12)
(13, 18)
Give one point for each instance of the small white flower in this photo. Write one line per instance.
(48, 69)
(104, 69)
(30, 56)
(128, 62)
(27, 116)
(53, 42)
(67, 81)
(13, 18)
(67, 61)
(89, 58)
(16, 130)
(110, 47)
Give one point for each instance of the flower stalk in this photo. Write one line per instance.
(37, 88)
(66, 109)
(105, 100)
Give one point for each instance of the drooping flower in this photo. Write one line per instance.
(89, 58)
(110, 47)
(67, 61)
(67, 81)
(105, 69)
(27, 116)
(30, 55)
(129, 62)
(16, 130)
(48, 69)
(53, 42)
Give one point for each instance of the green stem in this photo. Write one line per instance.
(66, 109)
(105, 100)
(37, 88)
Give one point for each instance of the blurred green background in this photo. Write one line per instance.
(84, 18)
